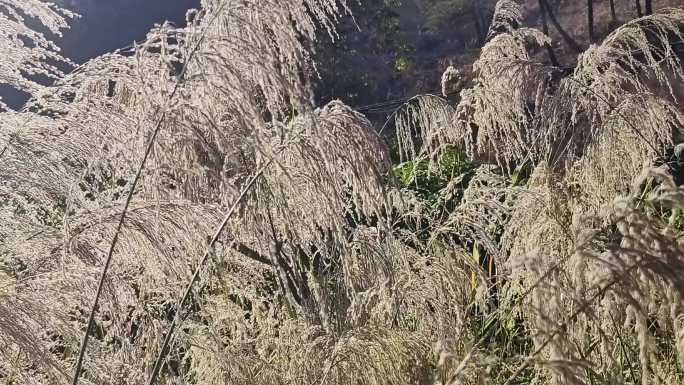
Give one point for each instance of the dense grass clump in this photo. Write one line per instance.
(183, 214)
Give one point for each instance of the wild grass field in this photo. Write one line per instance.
(181, 212)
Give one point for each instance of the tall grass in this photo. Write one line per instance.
(531, 233)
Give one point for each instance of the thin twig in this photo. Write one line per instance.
(105, 267)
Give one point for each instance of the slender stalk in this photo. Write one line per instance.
(129, 198)
(110, 253)
(287, 279)
(613, 15)
(167, 339)
(640, 13)
(623, 348)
